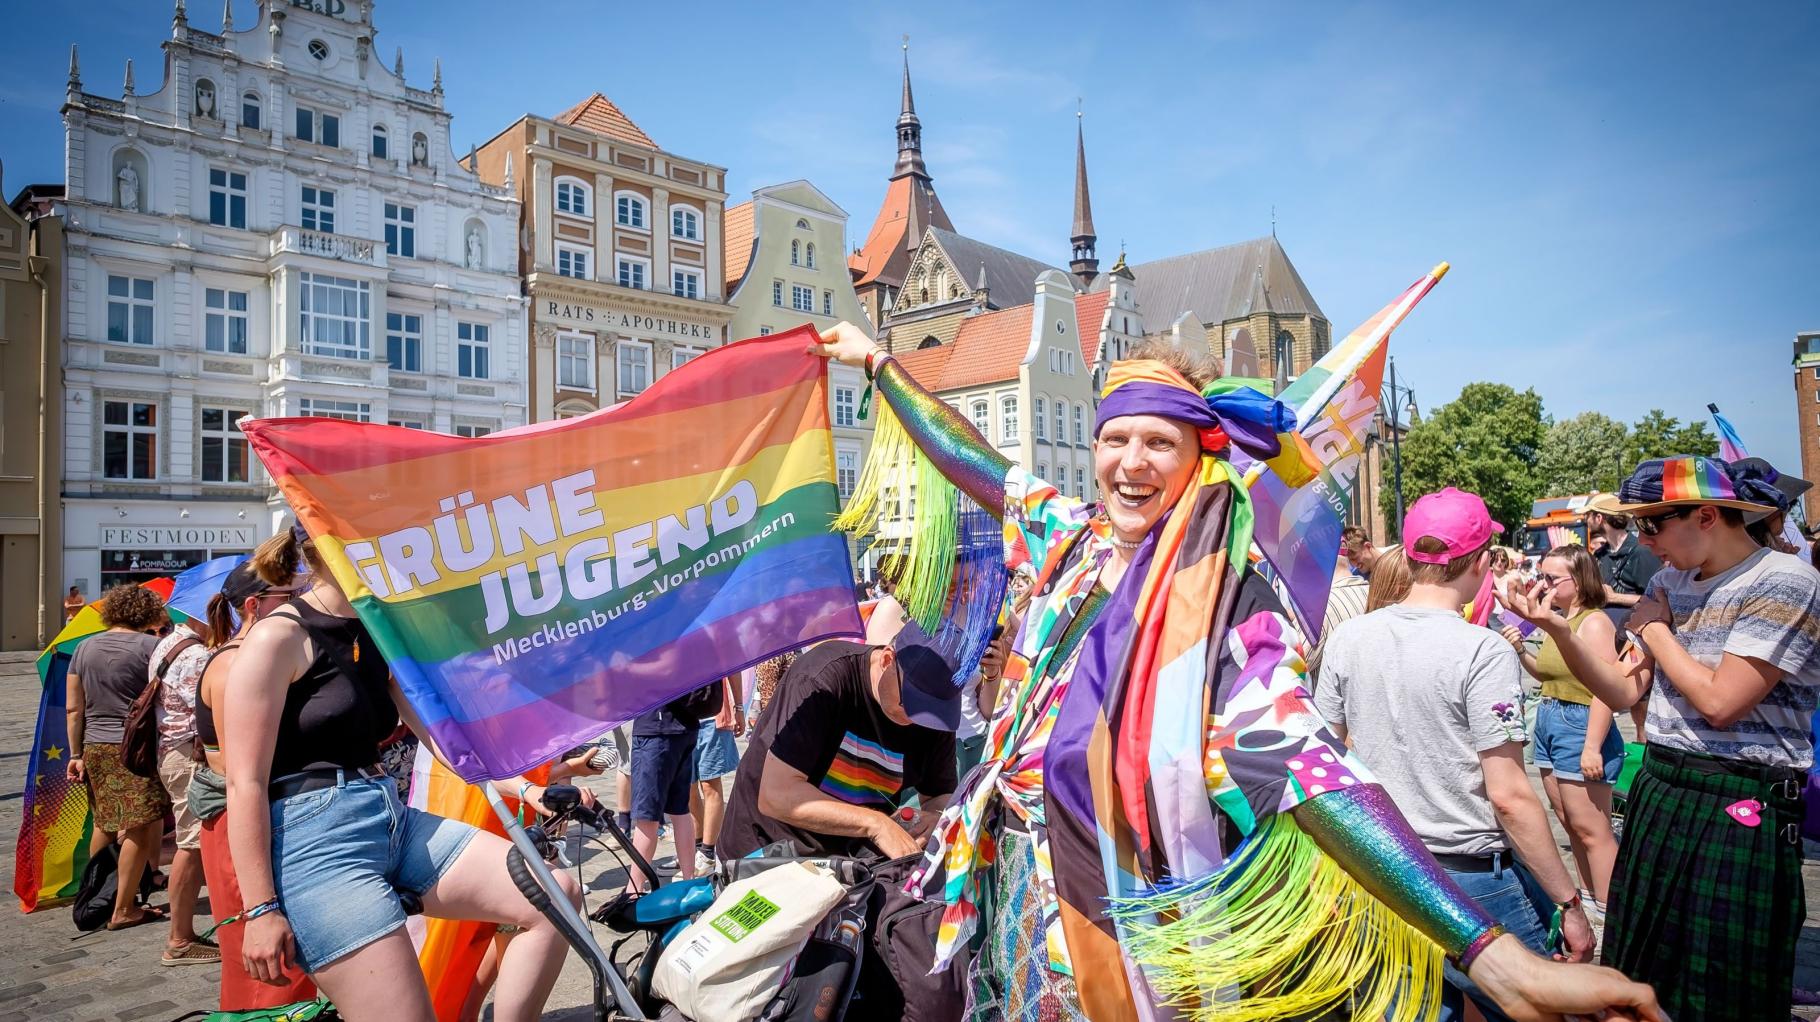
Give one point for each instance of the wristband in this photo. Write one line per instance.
(874, 359)
(1478, 945)
(265, 907)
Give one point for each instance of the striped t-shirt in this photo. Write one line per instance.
(1767, 607)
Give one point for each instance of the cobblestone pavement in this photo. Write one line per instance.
(49, 973)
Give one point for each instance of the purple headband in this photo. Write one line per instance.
(1141, 397)
(1251, 420)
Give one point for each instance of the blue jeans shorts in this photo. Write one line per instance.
(341, 854)
(1560, 735)
(716, 752)
(1513, 898)
(663, 770)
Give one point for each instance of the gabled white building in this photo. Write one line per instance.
(280, 228)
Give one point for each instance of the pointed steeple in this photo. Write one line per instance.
(180, 20)
(398, 62)
(75, 82)
(227, 16)
(129, 76)
(909, 130)
(1085, 262)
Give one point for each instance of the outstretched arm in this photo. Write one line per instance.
(947, 439)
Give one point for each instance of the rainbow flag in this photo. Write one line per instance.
(52, 849)
(531, 588)
(1298, 527)
(1731, 445)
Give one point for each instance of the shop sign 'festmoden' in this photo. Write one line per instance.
(533, 587)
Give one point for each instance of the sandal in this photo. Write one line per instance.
(148, 914)
(197, 952)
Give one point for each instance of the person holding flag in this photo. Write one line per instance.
(1157, 714)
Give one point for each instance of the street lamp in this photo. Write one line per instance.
(1394, 401)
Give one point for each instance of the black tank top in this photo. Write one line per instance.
(205, 714)
(338, 712)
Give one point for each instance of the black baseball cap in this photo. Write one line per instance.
(930, 692)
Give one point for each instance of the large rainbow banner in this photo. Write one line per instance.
(530, 589)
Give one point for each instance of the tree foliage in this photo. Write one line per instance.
(1585, 453)
(1487, 441)
(1659, 435)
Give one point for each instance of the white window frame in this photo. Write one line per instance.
(1007, 412)
(620, 367)
(472, 430)
(348, 411)
(1080, 482)
(574, 261)
(827, 303)
(625, 204)
(1080, 430)
(233, 197)
(846, 406)
(410, 341)
(1042, 471)
(408, 423)
(583, 355)
(231, 442)
(381, 143)
(313, 311)
(226, 329)
(624, 262)
(320, 125)
(846, 471)
(130, 430)
(691, 222)
(796, 252)
(980, 413)
(685, 282)
(580, 198)
(139, 311)
(316, 208)
(475, 340)
(809, 255)
(802, 298)
(251, 99)
(1037, 420)
(1061, 421)
(683, 354)
(777, 294)
(764, 331)
(400, 229)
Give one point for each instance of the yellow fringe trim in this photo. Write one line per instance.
(1280, 932)
(911, 511)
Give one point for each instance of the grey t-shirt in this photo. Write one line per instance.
(1766, 607)
(1421, 692)
(112, 666)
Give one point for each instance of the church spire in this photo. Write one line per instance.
(1085, 262)
(909, 130)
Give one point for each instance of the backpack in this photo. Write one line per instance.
(139, 743)
(698, 705)
(94, 904)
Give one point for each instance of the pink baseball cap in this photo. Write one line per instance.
(1454, 517)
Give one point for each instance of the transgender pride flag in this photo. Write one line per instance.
(531, 588)
(1731, 446)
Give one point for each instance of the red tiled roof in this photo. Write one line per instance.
(910, 207)
(598, 114)
(736, 243)
(1089, 314)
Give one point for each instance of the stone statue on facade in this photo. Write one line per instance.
(127, 188)
(475, 253)
(420, 150)
(205, 99)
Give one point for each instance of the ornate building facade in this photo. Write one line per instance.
(279, 228)
(622, 253)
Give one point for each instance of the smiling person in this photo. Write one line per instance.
(1706, 895)
(1212, 731)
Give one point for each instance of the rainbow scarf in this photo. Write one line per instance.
(531, 588)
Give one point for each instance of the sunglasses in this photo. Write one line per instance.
(1652, 524)
(1553, 580)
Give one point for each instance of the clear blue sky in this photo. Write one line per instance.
(1627, 192)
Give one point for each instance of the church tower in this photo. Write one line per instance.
(909, 210)
(1084, 262)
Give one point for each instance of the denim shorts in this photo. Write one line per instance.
(663, 770)
(1560, 735)
(341, 854)
(1512, 897)
(716, 752)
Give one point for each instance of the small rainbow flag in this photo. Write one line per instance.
(531, 588)
(52, 850)
(1688, 478)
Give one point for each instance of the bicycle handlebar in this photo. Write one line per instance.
(564, 802)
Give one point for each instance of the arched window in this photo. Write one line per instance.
(796, 253)
(381, 148)
(1040, 420)
(685, 223)
(809, 256)
(573, 196)
(930, 341)
(1285, 354)
(802, 224)
(925, 295)
(249, 110)
(1061, 416)
(1007, 408)
(630, 211)
(982, 413)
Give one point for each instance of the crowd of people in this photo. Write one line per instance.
(1394, 749)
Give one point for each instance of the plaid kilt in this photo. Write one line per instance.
(1703, 908)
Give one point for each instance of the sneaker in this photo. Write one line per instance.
(703, 864)
(197, 952)
(667, 864)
